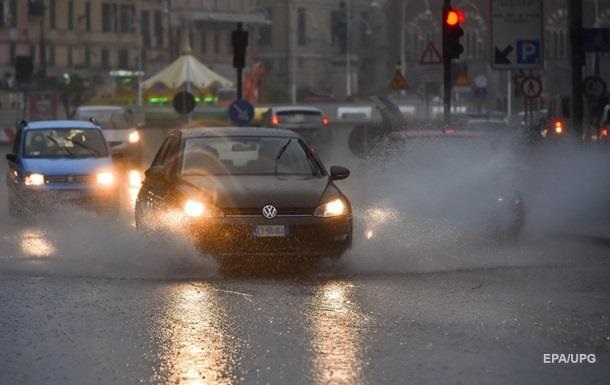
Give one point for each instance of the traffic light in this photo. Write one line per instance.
(452, 32)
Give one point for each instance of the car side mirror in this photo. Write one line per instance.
(338, 173)
(155, 173)
(11, 158)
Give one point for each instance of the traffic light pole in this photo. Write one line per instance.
(578, 60)
(446, 71)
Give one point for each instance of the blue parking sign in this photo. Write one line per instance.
(528, 51)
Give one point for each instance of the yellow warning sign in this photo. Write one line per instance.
(398, 82)
(462, 79)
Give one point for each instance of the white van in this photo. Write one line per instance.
(120, 130)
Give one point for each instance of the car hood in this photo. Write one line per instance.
(66, 166)
(258, 191)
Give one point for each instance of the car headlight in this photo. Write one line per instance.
(34, 179)
(134, 137)
(197, 209)
(194, 208)
(333, 208)
(105, 178)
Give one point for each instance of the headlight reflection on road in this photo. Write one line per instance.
(34, 243)
(336, 324)
(196, 351)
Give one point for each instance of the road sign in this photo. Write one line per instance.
(398, 82)
(594, 87)
(531, 87)
(241, 112)
(184, 102)
(597, 39)
(430, 56)
(516, 34)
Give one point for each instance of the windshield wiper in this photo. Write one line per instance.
(82, 145)
(68, 152)
(279, 155)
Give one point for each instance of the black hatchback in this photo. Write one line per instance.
(246, 192)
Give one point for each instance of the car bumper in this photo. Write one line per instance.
(49, 198)
(304, 236)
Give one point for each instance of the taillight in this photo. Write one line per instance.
(275, 120)
(604, 133)
(448, 130)
(558, 127)
(325, 120)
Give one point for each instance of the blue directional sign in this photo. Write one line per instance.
(597, 39)
(241, 112)
(528, 51)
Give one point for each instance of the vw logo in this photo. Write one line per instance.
(269, 212)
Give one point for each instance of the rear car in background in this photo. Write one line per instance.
(309, 122)
(60, 162)
(120, 130)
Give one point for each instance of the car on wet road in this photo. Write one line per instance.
(246, 191)
(60, 163)
(309, 122)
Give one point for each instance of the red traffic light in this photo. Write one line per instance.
(454, 17)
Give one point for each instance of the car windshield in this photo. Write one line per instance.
(299, 117)
(64, 143)
(109, 119)
(248, 156)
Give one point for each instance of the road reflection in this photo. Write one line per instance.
(196, 350)
(337, 324)
(34, 243)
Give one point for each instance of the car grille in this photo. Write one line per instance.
(258, 211)
(57, 179)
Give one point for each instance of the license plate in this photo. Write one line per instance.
(71, 195)
(270, 231)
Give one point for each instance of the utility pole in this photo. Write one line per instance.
(446, 70)
(578, 60)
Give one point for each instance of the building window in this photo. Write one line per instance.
(145, 28)
(204, 42)
(69, 58)
(88, 16)
(52, 14)
(13, 12)
(123, 58)
(71, 15)
(216, 42)
(87, 56)
(109, 17)
(159, 29)
(127, 18)
(12, 48)
(105, 59)
(301, 26)
(264, 32)
(51, 55)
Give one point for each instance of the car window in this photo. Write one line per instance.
(64, 143)
(299, 117)
(160, 156)
(248, 156)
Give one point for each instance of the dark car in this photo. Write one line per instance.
(246, 192)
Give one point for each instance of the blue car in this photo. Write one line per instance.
(57, 163)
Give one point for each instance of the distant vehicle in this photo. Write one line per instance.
(604, 125)
(308, 122)
(60, 162)
(119, 128)
(246, 192)
(495, 201)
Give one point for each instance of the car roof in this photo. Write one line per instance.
(295, 108)
(42, 124)
(237, 131)
(100, 108)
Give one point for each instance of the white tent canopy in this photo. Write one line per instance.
(186, 69)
